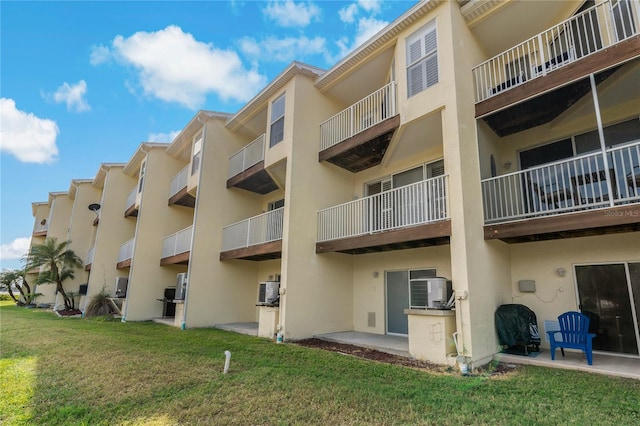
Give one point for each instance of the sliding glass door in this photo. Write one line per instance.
(610, 295)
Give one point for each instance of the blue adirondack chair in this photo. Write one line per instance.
(574, 333)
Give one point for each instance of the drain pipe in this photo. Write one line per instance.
(227, 360)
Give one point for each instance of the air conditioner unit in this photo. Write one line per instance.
(121, 286)
(82, 291)
(268, 292)
(181, 286)
(439, 291)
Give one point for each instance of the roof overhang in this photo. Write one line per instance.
(101, 175)
(258, 102)
(36, 204)
(133, 165)
(183, 139)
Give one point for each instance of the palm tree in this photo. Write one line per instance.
(59, 262)
(17, 279)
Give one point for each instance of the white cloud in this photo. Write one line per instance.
(367, 27)
(15, 249)
(348, 14)
(284, 49)
(29, 138)
(99, 55)
(175, 67)
(371, 6)
(163, 137)
(73, 96)
(288, 13)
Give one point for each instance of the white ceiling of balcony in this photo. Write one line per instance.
(364, 80)
(423, 134)
(506, 24)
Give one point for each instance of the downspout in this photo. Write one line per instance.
(183, 324)
(603, 145)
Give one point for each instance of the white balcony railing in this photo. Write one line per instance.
(131, 198)
(251, 154)
(259, 229)
(416, 204)
(90, 256)
(179, 181)
(365, 113)
(579, 183)
(126, 250)
(593, 30)
(177, 243)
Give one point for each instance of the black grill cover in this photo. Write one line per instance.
(513, 323)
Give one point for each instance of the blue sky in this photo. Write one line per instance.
(83, 83)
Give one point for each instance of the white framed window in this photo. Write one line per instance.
(276, 134)
(422, 59)
(197, 154)
(406, 177)
(275, 205)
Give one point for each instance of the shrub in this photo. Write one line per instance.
(100, 305)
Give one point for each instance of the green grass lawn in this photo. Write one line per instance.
(69, 371)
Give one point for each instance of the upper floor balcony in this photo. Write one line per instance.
(89, 261)
(585, 195)
(40, 229)
(178, 189)
(246, 169)
(131, 208)
(176, 248)
(555, 62)
(125, 254)
(357, 137)
(415, 215)
(256, 238)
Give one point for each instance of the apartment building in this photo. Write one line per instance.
(460, 142)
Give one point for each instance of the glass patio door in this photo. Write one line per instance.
(609, 294)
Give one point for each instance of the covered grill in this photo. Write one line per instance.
(168, 302)
(517, 328)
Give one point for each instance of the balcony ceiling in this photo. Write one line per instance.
(503, 25)
(364, 80)
(424, 134)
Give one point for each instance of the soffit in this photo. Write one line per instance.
(182, 142)
(133, 165)
(98, 180)
(35, 205)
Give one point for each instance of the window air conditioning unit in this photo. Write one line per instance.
(82, 291)
(181, 286)
(121, 286)
(439, 291)
(268, 293)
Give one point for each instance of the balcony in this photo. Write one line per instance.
(556, 63)
(178, 190)
(89, 261)
(357, 138)
(125, 254)
(130, 208)
(246, 169)
(41, 229)
(576, 197)
(176, 248)
(256, 238)
(411, 216)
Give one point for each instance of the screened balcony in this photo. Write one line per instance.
(357, 137)
(130, 208)
(584, 195)
(125, 254)
(176, 248)
(415, 215)
(178, 189)
(246, 169)
(256, 238)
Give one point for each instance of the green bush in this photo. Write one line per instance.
(5, 297)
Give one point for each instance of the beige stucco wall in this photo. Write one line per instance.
(221, 292)
(318, 288)
(112, 231)
(156, 220)
(369, 290)
(539, 261)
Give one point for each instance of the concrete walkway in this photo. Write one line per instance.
(397, 345)
(250, 328)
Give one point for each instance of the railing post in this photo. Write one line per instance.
(541, 51)
(247, 243)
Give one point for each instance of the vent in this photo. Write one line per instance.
(371, 319)
(527, 286)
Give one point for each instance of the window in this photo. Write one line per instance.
(197, 153)
(422, 59)
(143, 167)
(275, 205)
(277, 121)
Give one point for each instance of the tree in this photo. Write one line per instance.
(59, 262)
(16, 279)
